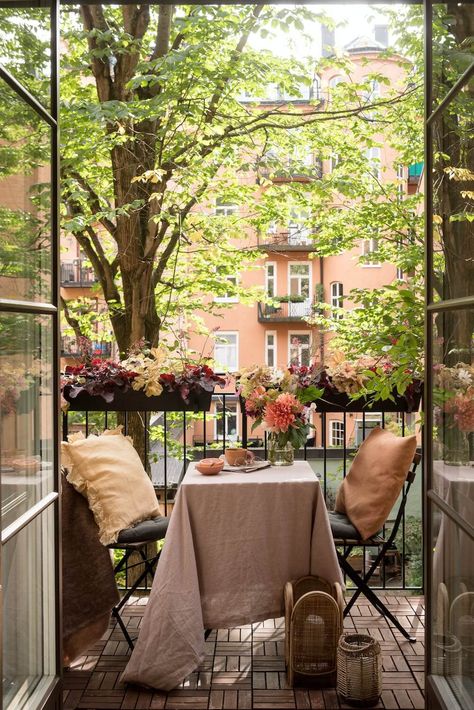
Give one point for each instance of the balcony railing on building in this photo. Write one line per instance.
(75, 274)
(292, 240)
(291, 171)
(288, 309)
(69, 348)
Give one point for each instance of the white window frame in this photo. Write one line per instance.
(223, 334)
(273, 347)
(333, 162)
(336, 432)
(371, 250)
(225, 209)
(297, 333)
(374, 156)
(310, 274)
(272, 278)
(227, 298)
(337, 298)
(370, 419)
(219, 416)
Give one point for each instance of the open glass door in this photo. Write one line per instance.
(29, 354)
(449, 403)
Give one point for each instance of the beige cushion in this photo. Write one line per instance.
(108, 471)
(375, 479)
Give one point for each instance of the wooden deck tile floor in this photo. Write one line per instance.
(245, 668)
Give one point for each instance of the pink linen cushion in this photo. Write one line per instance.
(108, 471)
(375, 479)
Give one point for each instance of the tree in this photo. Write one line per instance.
(154, 130)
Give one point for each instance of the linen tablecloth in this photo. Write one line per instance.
(233, 541)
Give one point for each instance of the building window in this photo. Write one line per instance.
(226, 424)
(299, 231)
(369, 247)
(336, 299)
(271, 348)
(336, 433)
(299, 277)
(361, 427)
(373, 156)
(225, 208)
(299, 349)
(334, 81)
(226, 351)
(401, 182)
(230, 295)
(334, 161)
(270, 279)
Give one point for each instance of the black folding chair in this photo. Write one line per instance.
(136, 539)
(347, 537)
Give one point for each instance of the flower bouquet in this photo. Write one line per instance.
(454, 409)
(278, 400)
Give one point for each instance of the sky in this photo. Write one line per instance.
(353, 21)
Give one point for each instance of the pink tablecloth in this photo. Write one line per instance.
(233, 541)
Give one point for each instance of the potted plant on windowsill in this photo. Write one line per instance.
(145, 381)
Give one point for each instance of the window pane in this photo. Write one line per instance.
(25, 48)
(453, 399)
(26, 443)
(29, 644)
(452, 641)
(25, 208)
(453, 199)
(452, 45)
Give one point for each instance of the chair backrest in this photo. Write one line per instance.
(405, 491)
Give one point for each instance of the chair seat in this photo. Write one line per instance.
(341, 527)
(344, 532)
(146, 531)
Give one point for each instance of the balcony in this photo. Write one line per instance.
(288, 310)
(74, 274)
(292, 171)
(244, 666)
(69, 348)
(295, 241)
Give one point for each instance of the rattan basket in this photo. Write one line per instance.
(313, 624)
(359, 669)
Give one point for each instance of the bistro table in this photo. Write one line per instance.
(233, 541)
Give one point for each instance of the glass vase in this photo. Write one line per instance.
(279, 453)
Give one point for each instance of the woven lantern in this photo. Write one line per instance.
(313, 624)
(359, 669)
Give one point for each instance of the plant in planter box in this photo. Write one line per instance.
(148, 371)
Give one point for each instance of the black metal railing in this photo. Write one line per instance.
(297, 240)
(173, 439)
(285, 311)
(75, 274)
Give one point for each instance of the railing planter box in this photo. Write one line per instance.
(333, 401)
(136, 401)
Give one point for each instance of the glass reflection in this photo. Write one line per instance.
(453, 199)
(453, 397)
(26, 438)
(25, 207)
(452, 46)
(29, 615)
(452, 643)
(25, 48)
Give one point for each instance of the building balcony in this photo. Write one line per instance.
(293, 171)
(69, 348)
(74, 274)
(286, 311)
(287, 241)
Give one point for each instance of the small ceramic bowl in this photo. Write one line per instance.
(209, 467)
